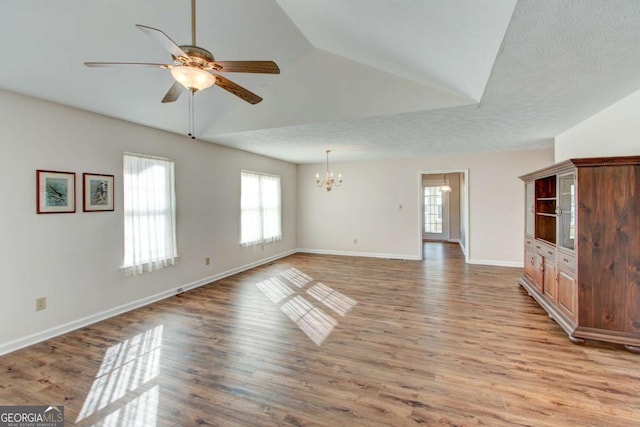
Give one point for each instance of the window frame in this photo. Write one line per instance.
(260, 238)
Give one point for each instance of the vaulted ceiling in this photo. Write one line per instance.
(370, 79)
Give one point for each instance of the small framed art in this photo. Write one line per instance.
(56, 191)
(98, 192)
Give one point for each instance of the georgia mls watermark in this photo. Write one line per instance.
(32, 416)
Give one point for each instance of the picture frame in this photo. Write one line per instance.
(55, 192)
(97, 190)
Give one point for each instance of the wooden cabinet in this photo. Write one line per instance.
(567, 293)
(538, 273)
(582, 247)
(529, 259)
(544, 268)
(550, 279)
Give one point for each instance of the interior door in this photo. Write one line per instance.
(435, 213)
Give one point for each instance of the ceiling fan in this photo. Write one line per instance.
(195, 68)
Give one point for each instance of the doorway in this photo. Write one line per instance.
(444, 214)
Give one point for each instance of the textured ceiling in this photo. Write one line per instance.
(368, 79)
(449, 44)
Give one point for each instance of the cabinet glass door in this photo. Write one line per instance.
(529, 208)
(567, 211)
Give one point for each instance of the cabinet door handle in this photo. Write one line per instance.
(531, 260)
(550, 253)
(565, 260)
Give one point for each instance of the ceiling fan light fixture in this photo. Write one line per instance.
(193, 78)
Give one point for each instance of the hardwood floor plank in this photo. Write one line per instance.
(318, 340)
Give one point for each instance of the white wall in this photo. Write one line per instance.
(614, 131)
(74, 259)
(367, 206)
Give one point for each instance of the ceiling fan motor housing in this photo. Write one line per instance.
(197, 57)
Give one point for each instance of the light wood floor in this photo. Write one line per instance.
(333, 341)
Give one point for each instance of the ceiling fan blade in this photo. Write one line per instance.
(125, 64)
(237, 90)
(160, 37)
(173, 93)
(263, 67)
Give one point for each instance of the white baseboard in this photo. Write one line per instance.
(360, 254)
(464, 251)
(80, 323)
(496, 263)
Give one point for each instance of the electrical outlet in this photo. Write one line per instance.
(41, 303)
(207, 261)
(355, 241)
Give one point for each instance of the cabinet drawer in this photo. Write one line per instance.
(528, 243)
(568, 261)
(545, 250)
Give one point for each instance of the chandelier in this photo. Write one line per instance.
(329, 181)
(445, 188)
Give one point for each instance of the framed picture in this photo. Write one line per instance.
(56, 191)
(98, 192)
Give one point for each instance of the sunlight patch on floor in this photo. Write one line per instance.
(311, 319)
(339, 303)
(275, 289)
(141, 411)
(125, 367)
(297, 277)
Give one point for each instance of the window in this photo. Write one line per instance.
(260, 210)
(432, 210)
(149, 214)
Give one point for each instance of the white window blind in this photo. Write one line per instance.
(260, 209)
(149, 214)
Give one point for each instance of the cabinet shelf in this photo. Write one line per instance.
(545, 213)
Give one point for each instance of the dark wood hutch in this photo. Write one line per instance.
(582, 247)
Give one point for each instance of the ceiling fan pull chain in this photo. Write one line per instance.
(190, 114)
